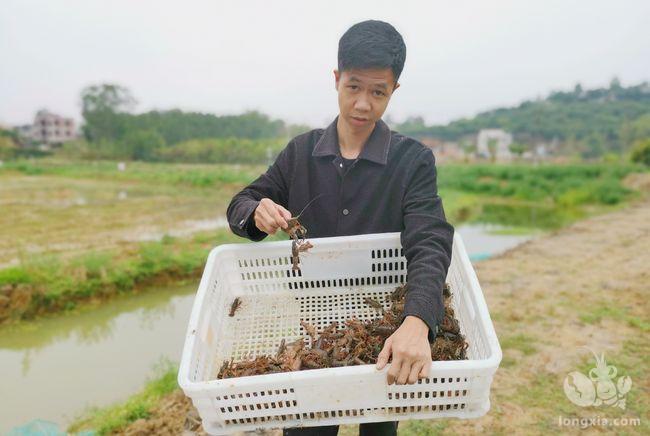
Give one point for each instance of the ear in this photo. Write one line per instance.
(395, 87)
(337, 78)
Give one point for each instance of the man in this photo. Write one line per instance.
(369, 180)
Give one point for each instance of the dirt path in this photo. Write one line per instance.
(586, 285)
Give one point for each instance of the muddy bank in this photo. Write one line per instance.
(25, 301)
(53, 284)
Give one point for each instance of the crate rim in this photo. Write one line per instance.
(207, 387)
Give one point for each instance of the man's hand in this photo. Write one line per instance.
(270, 216)
(411, 352)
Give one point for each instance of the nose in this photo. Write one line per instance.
(362, 104)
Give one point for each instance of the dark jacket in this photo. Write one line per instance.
(391, 187)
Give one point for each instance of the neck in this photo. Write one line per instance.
(351, 141)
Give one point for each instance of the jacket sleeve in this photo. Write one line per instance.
(427, 239)
(273, 184)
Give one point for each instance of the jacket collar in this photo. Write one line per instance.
(375, 149)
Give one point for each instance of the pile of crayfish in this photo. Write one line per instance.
(354, 343)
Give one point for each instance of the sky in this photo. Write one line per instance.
(226, 57)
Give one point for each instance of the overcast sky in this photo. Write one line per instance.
(463, 57)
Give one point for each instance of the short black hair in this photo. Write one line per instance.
(372, 44)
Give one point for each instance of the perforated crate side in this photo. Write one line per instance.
(336, 276)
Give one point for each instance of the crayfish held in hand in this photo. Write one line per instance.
(297, 232)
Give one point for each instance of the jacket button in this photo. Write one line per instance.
(345, 211)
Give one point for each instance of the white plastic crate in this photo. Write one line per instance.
(336, 275)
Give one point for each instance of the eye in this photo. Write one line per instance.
(353, 87)
(378, 93)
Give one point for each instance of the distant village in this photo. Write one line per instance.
(491, 145)
(49, 130)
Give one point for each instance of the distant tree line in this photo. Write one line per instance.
(589, 122)
(111, 130)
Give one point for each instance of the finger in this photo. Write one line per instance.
(393, 371)
(275, 220)
(279, 219)
(284, 212)
(426, 369)
(382, 358)
(415, 372)
(404, 372)
(260, 225)
(264, 221)
(267, 222)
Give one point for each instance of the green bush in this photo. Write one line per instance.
(641, 152)
(14, 276)
(567, 185)
(222, 150)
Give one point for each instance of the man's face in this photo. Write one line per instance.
(364, 96)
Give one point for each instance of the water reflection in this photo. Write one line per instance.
(93, 324)
(530, 216)
(89, 358)
(483, 241)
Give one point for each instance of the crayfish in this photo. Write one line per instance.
(234, 306)
(351, 342)
(297, 232)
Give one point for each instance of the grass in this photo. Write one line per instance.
(409, 428)
(77, 227)
(629, 361)
(514, 231)
(169, 174)
(564, 185)
(49, 284)
(599, 313)
(106, 420)
(73, 263)
(520, 342)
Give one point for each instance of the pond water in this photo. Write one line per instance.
(54, 368)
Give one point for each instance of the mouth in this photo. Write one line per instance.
(359, 120)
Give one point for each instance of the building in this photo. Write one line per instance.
(48, 129)
(494, 144)
(444, 151)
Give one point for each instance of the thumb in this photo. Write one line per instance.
(382, 359)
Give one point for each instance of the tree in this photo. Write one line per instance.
(593, 146)
(570, 116)
(641, 152)
(141, 144)
(631, 132)
(577, 90)
(7, 147)
(518, 148)
(106, 97)
(103, 108)
(615, 84)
